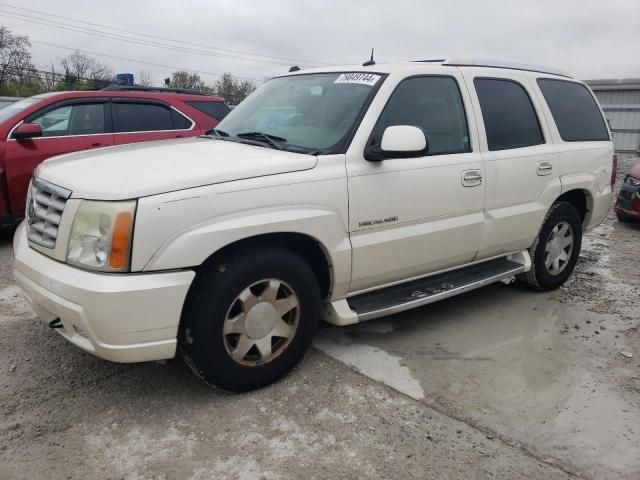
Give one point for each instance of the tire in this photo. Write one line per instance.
(219, 319)
(543, 276)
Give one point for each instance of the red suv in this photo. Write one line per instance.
(39, 127)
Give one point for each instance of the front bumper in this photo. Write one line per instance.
(118, 317)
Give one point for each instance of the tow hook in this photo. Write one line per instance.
(55, 323)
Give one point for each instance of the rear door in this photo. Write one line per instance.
(137, 120)
(67, 126)
(520, 159)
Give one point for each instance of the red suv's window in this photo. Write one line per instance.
(147, 117)
(77, 119)
(216, 110)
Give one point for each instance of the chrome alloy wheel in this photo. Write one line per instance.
(261, 322)
(559, 248)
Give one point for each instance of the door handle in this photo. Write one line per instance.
(471, 178)
(95, 145)
(544, 168)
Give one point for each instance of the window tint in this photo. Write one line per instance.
(79, 119)
(141, 117)
(216, 110)
(574, 110)
(509, 117)
(433, 104)
(180, 122)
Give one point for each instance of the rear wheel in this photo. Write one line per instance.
(249, 318)
(555, 252)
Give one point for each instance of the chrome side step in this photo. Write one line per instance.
(427, 290)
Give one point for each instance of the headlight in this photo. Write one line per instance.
(634, 182)
(101, 236)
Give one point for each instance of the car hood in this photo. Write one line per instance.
(142, 169)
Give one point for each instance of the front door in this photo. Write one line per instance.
(67, 127)
(413, 216)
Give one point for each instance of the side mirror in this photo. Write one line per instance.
(27, 130)
(399, 141)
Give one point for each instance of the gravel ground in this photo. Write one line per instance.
(566, 406)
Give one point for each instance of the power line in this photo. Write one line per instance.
(172, 67)
(35, 74)
(157, 37)
(129, 40)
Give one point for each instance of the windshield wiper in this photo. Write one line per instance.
(273, 140)
(216, 133)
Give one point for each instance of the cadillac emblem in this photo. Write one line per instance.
(31, 212)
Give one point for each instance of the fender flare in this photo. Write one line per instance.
(193, 245)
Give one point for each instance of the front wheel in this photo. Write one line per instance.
(555, 252)
(249, 318)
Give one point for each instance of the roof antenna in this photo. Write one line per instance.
(295, 68)
(369, 62)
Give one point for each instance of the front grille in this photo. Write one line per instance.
(44, 211)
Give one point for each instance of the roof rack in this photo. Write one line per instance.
(126, 88)
(479, 62)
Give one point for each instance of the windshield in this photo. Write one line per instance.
(311, 112)
(17, 107)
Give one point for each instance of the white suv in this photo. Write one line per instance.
(346, 193)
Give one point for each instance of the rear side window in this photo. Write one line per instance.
(180, 122)
(509, 117)
(146, 117)
(216, 110)
(433, 104)
(574, 110)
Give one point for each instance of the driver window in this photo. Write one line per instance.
(433, 104)
(79, 119)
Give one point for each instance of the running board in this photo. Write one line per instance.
(416, 293)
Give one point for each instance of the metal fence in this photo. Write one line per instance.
(620, 100)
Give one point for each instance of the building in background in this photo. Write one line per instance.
(620, 100)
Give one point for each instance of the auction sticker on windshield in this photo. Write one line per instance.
(359, 78)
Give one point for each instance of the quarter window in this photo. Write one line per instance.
(510, 120)
(433, 104)
(146, 117)
(216, 110)
(574, 110)
(77, 119)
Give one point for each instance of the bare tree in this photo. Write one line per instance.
(144, 78)
(78, 66)
(233, 90)
(49, 77)
(15, 58)
(184, 79)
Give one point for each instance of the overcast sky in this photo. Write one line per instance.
(588, 38)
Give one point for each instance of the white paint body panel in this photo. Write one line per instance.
(123, 318)
(378, 223)
(149, 168)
